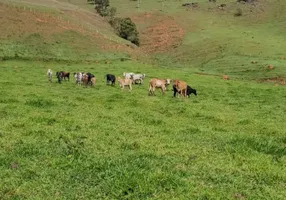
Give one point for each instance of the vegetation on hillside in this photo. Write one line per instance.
(124, 27)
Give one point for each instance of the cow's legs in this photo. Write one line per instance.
(150, 90)
(153, 90)
(175, 92)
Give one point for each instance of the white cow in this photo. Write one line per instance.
(50, 75)
(138, 78)
(78, 78)
(128, 75)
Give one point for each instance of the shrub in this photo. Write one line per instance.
(126, 29)
(238, 12)
(101, 6)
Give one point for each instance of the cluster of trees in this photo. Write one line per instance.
(124, 27)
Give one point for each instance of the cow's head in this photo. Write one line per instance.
(168, 81)
(194, 91)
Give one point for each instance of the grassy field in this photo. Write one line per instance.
(61, 141)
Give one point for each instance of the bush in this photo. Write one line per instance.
(101, 6)
(126, 29)
(238, 12)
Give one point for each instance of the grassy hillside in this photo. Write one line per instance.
(60, 141)
(211, 39)
(41, 30)
(207, 38)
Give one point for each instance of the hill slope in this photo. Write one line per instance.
(206, 37)
(54, 30)
(213, 40)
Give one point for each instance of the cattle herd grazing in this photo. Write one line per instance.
(88, 79)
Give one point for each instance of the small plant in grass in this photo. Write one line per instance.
(238, 12)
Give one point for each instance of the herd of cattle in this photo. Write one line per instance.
(88, 79)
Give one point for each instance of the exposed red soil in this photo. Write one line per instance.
(158, 32)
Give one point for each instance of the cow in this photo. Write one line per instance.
(181, 87)
(158, 83)
(59, 77)
(88, 79)
(225, 77)
(110, 78)
(50, 75)
(138, 78)
(93, 81)
(125, 82)
(189, 91)
(64, 75)
(128, 75)
(90, 76)
(78, 78)
(85, 80)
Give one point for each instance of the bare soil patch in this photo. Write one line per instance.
(158, 32)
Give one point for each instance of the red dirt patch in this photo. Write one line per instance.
(158, 33)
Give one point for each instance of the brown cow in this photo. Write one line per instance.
(125, 82)
(181, 87)
(86, 82)
(271, 67)
(64, 75)
(85, 79)
(225, 77)
(158, 83)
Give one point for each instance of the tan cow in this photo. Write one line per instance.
(158, 83)
(93, 81)
(225, 77)
(181, 87)
(125, 82)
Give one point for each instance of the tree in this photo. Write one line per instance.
(127, 29)
(101, 7)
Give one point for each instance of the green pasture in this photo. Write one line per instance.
(62, 141)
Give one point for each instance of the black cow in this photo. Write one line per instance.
(59, 77)
(110, 78)
(189, 91)
(89, 77)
